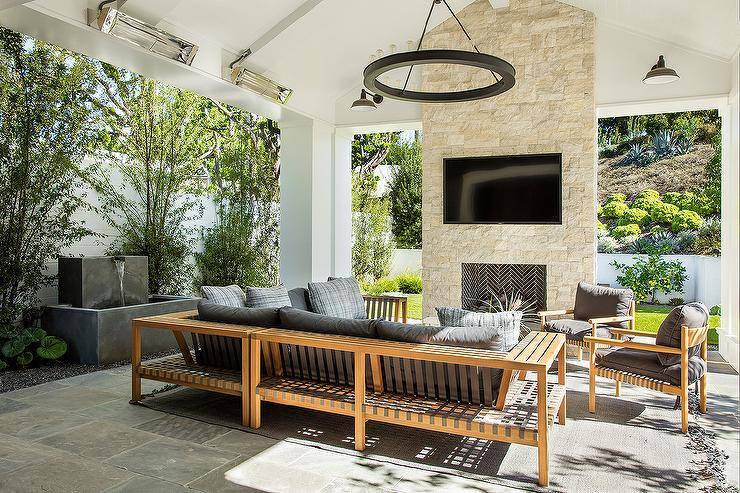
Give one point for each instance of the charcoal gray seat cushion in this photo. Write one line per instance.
(340, 297)
(295, 319)
(576, 330)
(692, 315)
(646, 363)
(258, 317)
(231, 295)
(487, 337)
(594, 301)
(299, 299)
(274, 297)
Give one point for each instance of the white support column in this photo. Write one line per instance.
(342, 208)
(308, 188)
(729, 341)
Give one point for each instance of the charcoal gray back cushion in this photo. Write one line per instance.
(505, 324)
(491, 337)
(339, 297)
(258, 317)
(594, 301)
(224, 295)
(225, 352)
(299, 299)
(275, 297)
(692, 315)
(295, 319)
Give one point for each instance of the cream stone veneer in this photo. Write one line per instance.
(550, 109)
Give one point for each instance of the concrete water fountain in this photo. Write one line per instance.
(98, 298)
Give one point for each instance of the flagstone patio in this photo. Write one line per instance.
(81, 434)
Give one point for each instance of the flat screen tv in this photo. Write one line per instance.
(524, 189)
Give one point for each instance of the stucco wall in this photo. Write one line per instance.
(550, 109)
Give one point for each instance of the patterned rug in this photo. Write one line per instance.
(632, 443)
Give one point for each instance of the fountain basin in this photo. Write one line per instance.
(100, 336)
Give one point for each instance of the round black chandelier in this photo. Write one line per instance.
(502, 71)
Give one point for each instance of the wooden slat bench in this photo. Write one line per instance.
(182, 369)
(519, 420)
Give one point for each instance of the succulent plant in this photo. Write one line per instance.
(664, 144)
(638, 153)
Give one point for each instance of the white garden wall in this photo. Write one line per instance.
(703, 283)
(405, 260)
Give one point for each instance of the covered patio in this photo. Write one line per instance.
(576, 61)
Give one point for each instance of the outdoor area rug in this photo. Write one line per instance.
(633, 443)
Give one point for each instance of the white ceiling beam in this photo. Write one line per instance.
(281, 26)
(9, 4)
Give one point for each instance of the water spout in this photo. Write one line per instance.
(120, 270)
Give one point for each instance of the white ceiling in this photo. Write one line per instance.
(322, 54)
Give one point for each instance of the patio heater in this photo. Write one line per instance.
(122, 26)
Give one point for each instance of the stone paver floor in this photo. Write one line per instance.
(80, 434)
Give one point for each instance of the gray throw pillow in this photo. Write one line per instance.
(223, 295)
(692, 315)
(256, 317)
(339, 297)
(295, 319)
(594, 301)
(299, 299)
(506, 324)
(275, 297)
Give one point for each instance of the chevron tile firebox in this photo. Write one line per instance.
(481, 281)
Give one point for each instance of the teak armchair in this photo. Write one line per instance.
(690, 337)
(577, 340)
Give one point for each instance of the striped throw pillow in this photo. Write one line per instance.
(223, 295)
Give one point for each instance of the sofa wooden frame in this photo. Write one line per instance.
(517, 422)
(595, 322)
(690, 337)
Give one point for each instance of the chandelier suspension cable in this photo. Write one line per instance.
(418, 46)
(495, 76)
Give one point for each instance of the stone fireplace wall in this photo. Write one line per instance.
(550, 109)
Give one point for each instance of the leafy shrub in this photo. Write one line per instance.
(648, 276)
(700, 203)
(19, 347)
(663, 144)
(633, 216)
(607, 244)
(405, 193)
(716, 310)
(614, 209)
(686, 219)
(709, 238)
(676, 301)
(638, 153)
(383, 285)
(409, 283)
(663, 212)
(372, 245)
(616, 197)
(626, 230)
(672, 198)
(601, 226)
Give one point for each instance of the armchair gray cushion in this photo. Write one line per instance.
(576, 330)
(646, 363)
(594, 301)
(692, 315)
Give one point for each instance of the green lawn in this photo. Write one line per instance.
(649, 317)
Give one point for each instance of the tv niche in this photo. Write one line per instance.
(525, 189)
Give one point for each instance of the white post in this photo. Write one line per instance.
(306, 202)
(342, 240)
(728, 334)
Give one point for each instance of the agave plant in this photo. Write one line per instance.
(664, 144)
(683, 146)
(513, 302)
(638, 153)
